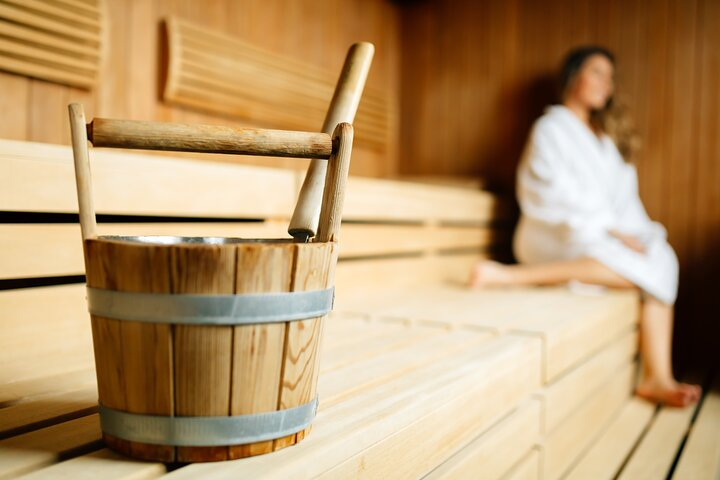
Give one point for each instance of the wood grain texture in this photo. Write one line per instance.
(134, 360)
(313, 269)
(611, 450)
(475, 77)
(342, 109)
(202, 355)
(195, 370)
(203, 68)
(52, 42)
(258, 349)
(311, 35)
(42, 249)
(333, 198)
(493, 453)
(140, 184)
(700, 458)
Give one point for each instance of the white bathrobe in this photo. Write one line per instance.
(572, 188)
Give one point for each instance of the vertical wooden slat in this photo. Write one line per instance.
(145, 350)
(258, 349)
(202, 354)
(314, 269)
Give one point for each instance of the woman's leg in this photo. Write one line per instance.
(585, 269)
(656, 318)
(658, 383)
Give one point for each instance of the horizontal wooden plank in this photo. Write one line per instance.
(66, 15)
(58, 26)
(563, 447)
(656, 452)
(50, 409)
(140, 184)
(34, 450)
(340, 383)
(41, 250)
(103, 464)
(529, 468)
(29, 404)
(422, 417)
(359, 278)
(371, 340)
(609, 452)
(18, 392)
(47, 40)
(406, 201)
(45, 331)
(28, 68)
(572, 326)
(573, 389)
(700, 459)
(455, 304)
(131, 183)
(43, 56)
(493, 454)
(574, 334)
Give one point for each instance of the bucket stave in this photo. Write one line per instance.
(169, 372)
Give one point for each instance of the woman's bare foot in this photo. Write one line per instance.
(488, 273)
(670, 393)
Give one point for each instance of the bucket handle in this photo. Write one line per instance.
(212, 139)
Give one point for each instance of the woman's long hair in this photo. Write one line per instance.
(614, 118)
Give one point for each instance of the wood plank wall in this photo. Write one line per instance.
(318, 32)
(476, 74)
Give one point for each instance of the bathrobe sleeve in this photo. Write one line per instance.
(551, 190)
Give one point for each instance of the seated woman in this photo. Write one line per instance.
(582, 218)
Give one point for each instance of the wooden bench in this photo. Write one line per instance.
(420, 377)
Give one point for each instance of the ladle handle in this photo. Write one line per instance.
(343, 107)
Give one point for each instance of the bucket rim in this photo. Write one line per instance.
(172, 240)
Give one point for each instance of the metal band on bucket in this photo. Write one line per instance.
(209, 309)
(207, 431)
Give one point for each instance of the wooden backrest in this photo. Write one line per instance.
(61, 43)
(141, 193)
(394, 234)
(220, 73)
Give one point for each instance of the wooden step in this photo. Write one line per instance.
(43, 250)
(529, 468)
(58, 406)
(144, 184)
(611, 450)
(377, 338)
(34, 450)
(700, 459)
(424, 417)
(564, 446)
(495, 452)
(141, 184)
(572, 326)
(656, 452)
(340, 383)
(103, 464)
(575, 388)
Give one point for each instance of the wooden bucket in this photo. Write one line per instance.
(208, 348)
(180, 378)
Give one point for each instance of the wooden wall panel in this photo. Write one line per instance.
(475, 75)
(318, 32)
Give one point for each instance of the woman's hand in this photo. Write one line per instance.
(631, 242)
